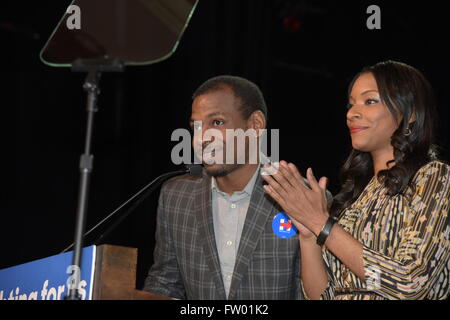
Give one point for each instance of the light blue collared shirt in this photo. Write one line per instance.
(229, 214)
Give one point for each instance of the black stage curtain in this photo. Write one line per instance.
(303, 71)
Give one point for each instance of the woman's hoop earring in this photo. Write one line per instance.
(408, 132)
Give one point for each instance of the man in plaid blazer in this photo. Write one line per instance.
(192, 257)
(186, 260)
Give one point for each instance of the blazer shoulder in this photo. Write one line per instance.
(183, 182)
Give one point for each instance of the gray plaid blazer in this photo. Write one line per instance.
(186, 263)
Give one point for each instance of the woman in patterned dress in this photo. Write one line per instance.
(391, 239)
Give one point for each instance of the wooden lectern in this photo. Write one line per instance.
(115, 275)
(108, 273)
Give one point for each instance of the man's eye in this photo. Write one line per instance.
(217, 122)
(348, 106)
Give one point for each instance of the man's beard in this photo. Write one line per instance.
(220, 170)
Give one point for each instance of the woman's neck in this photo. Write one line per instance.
(381, 158)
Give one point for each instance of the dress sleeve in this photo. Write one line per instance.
(422, 250)
(328, 293)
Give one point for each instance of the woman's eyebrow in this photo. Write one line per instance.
(367, 91)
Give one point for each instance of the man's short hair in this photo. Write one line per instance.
(249, 93)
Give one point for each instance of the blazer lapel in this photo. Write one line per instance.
(259, 211)
(206, 233)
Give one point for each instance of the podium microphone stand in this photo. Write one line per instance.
(133, 33)
(94, 68)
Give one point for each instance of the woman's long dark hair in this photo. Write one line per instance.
(406, 92)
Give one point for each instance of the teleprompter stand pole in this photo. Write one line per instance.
(91, 86)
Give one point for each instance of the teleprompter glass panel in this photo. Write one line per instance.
(137, 32)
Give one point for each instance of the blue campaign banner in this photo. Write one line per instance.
(47, 279)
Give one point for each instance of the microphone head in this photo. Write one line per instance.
(194, 169)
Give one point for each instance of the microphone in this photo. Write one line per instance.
(141, 195)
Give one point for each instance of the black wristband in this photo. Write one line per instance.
(323, 235)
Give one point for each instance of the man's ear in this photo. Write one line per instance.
(257, 121)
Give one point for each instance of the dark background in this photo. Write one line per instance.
(301, 53)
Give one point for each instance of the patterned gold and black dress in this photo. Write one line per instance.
(406, 241)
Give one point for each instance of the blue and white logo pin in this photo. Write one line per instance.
(283, 226)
